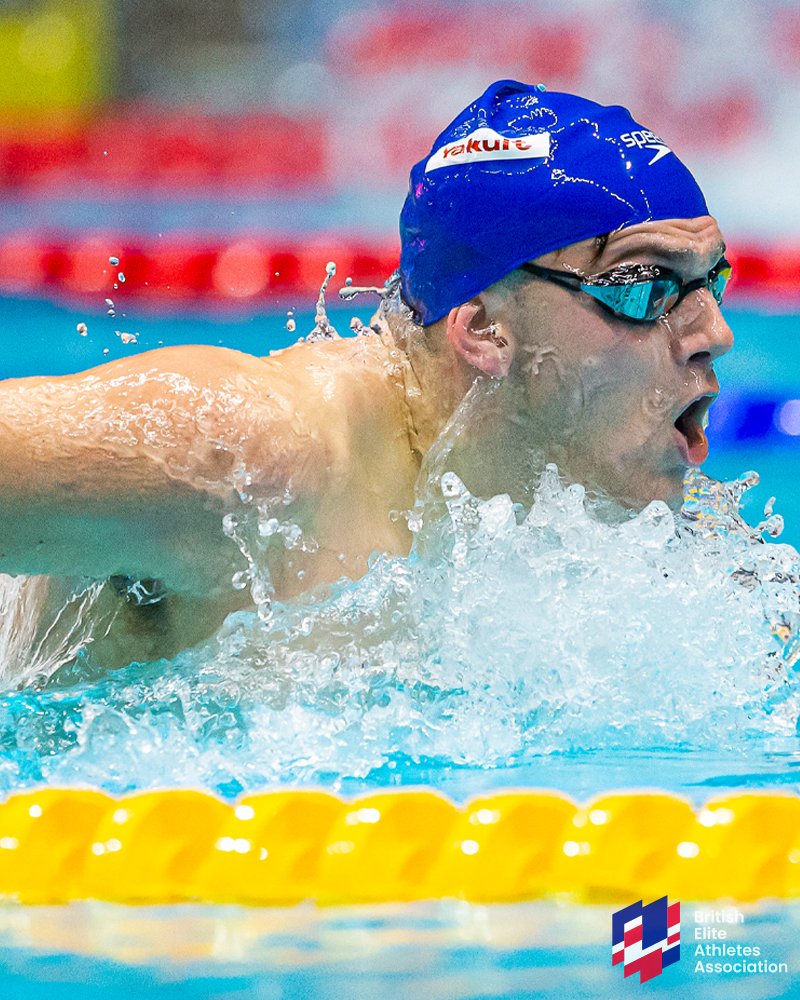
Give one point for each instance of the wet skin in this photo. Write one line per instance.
(129, 469)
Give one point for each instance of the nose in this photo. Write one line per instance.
(699, 331)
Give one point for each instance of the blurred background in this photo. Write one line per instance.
(181, 170)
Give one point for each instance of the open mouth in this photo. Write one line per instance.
(691, 426)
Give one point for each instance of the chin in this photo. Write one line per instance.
(629, 484)
(669, 489)
(637, 493)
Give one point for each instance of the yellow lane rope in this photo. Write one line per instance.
(281, 847)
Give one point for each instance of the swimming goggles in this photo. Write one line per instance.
(641, 293)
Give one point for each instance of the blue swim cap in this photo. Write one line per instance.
(522, 172)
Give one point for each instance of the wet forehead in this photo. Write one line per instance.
(689, 246)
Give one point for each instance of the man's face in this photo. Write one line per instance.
(607, 397)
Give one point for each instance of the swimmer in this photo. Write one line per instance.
(551, 244)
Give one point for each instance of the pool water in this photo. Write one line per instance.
(435, 951)
(547, 648)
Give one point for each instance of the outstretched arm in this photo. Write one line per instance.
(128, 468)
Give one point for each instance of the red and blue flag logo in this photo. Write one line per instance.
(646, 939)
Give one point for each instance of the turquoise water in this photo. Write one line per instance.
(434, 951)
(455, 668)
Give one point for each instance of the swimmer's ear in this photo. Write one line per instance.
(482, 342)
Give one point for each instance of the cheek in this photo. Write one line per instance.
(624, 412)
(594, 375)
(624, 381)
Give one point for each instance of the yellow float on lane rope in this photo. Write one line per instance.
(281, 847)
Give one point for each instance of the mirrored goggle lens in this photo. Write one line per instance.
(642, 301)
(719, 280)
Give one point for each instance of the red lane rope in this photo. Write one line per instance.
(180, 267)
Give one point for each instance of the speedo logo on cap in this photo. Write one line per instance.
(486, 144)
(645, 139)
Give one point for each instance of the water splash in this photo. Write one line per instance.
(351, 291)
(387, 292)
(509, 634)
(256, 528)
(323, 328)
(46, 622)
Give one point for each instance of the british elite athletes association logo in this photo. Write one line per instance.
(646, 939)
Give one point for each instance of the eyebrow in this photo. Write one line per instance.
(672, 253)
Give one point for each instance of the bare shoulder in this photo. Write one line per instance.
(296, 415)
(196, 364)
(192, 414)
(318, 398)
(201, 413)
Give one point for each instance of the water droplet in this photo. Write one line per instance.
(323, 328)
(105, 350)
(82, 329)
(348, 281)
(351, 291)
(113, 261)
(121, 277)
